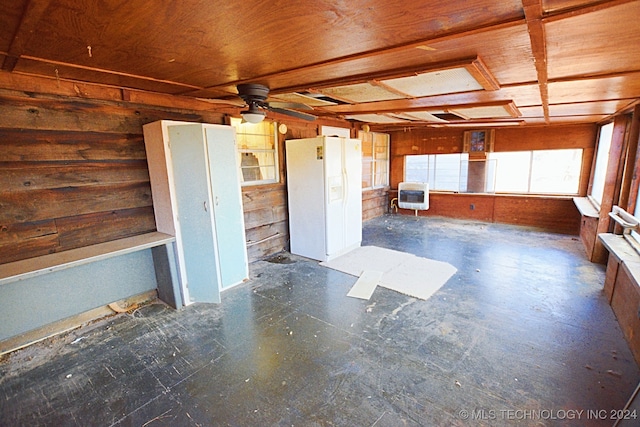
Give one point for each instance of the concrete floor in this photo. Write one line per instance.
(520, 335)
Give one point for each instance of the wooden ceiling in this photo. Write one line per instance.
(543, 61)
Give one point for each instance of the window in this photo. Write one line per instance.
(375, 159)
(444, 172)
(257, 152)
(602, 160)
(537, 172)
(416, 168)
(512, 171)
(556, 171)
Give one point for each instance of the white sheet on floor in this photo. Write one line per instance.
(402, 272)
(366, 284)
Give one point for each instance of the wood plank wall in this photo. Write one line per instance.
(73, 172)
(375, 203)
(555, 214)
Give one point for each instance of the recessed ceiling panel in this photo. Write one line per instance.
(375, 118)
(484, 112)
(454, 80)
(361, 92)
(487, 124)
(423, 116)
(303, 99)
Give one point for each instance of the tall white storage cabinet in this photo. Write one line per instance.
(324, 183)
(197, 198)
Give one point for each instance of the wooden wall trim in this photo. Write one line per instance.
(632, 180)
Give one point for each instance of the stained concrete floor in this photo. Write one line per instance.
(520, 335)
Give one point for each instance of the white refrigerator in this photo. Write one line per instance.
(324, 183)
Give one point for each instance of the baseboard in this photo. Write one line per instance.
(23, 340)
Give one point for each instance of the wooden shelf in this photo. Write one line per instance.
(585, 207)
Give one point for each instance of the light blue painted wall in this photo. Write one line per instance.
(32, 303)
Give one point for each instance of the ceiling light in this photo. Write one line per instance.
(254, 114)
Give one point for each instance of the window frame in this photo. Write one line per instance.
(432, 160)
(375, 169)
(600, 165)
(236, 123)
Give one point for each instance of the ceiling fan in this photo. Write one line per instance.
(255, 97)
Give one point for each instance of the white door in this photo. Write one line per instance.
(334, 195)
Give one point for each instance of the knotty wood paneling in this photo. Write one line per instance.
(558, 215)
(84, 230)
(29, 248)
(20, 176)
(42, 112)
(73, 172)
(461, 206)
(265, 220)
(588, 235)
(38, 205)
(374, 203)
(20, 145)
(266, 240)
(613, 266)
(545, 137)
(36, 238)
(625, 303)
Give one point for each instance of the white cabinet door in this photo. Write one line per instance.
(227, 205)
(194, 212)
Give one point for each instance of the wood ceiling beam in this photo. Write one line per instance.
(33, 12)
(112, 72)
(436, 101)
(582, 10)
(533, 15)
(599, 76)
(397, 109)
(474, 64)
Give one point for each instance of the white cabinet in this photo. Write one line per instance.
(197, 198)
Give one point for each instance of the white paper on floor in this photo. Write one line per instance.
(366, 284)
(402, 272)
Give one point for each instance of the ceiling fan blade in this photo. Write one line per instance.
(292, 113)
(234, 102)
(290, 105)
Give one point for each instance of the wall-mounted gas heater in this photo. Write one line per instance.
(413, 195)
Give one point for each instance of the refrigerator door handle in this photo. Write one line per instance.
(345, 191)
(345, 186)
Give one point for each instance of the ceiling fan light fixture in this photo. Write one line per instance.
(254, 114)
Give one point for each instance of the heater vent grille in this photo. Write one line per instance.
(413, 195)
